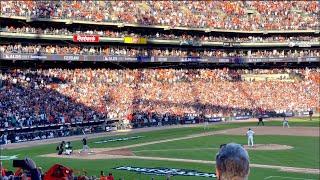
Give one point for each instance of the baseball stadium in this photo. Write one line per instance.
(159, 90)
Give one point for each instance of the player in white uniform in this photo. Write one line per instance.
(206, 124)
(250, 134)
(285, 122)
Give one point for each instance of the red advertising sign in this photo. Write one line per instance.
(85, 38)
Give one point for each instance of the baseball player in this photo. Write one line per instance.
(260, 121)
(285, 122)
(206, 124)
(85, 147)
(250, 134)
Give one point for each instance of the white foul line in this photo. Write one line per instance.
(285, 177)
(182, 149)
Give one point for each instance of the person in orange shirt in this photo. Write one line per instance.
(2, 170)
(102, 176)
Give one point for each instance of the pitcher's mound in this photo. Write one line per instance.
(268, 147)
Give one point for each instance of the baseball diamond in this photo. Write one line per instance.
(154, 90)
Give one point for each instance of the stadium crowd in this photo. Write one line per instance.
(136, 51)
(36, 134)
(230, 15)
(27, 169)
(45, 96)
(157, 35)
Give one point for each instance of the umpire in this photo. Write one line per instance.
(260, 121)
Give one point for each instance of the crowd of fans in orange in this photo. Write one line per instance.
(66, 95)
(231, 15)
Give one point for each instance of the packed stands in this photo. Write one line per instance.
(229, 15)
(52, 96)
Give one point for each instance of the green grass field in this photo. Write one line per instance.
(305, 153)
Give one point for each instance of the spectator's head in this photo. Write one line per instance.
(232, 162)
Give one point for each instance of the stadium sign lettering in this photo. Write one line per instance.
(189, 59)
(242, 117)
(71, 58)
(203, 60)
(162, 59)
(312, 59)
(166, 171)
(258, 59)
(85, 38)
(110, 58)
(215, 119)
(130, 59)
(38, 57)
(12, 56)
(223, 60)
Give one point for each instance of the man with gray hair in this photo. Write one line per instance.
(232, 162)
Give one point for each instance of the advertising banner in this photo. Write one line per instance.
(85, 38)
(214, 119)
(24, 57)
(237, 60)
(135, 40)
(242, 117)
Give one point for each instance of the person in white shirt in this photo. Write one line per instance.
(250, 134)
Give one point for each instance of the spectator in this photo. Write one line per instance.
(102, 176)
(2, 170)
(110, 176)
(232, 162)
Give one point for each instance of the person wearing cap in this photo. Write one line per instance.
(250, 134)
(232, 162)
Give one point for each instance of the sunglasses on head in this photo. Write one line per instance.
(222, 145)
